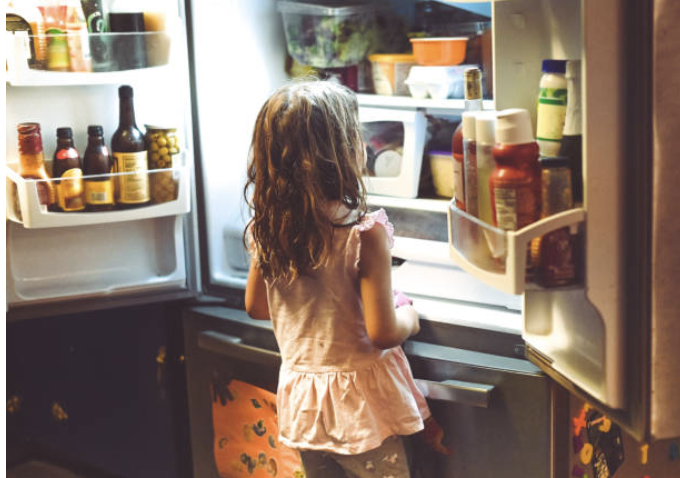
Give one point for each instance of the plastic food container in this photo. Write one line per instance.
(441, 165)
(438, 82)
(389, 73)
(329, 35)
(441, 51)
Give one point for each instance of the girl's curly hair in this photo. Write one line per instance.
(306, 152)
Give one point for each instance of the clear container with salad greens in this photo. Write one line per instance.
(330, 34)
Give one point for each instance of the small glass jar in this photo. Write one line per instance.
(162, 145)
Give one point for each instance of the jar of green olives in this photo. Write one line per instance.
(162, 147)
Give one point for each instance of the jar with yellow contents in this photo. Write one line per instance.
(162, 145)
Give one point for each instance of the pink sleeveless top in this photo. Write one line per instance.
(338, 392)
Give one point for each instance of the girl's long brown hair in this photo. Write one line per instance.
(305, 153)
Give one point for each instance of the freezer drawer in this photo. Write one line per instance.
(495, 410)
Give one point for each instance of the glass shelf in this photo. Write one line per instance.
(125, 54)
(431, 106)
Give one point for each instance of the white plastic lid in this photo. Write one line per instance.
(513, 126)
(486, 127)
(469, 124)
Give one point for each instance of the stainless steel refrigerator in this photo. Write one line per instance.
(610, 340)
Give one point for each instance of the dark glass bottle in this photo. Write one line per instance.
(67, 170)
(558, 253)
(130, 156)
(572, 140)
(98, 165)
(126, 23)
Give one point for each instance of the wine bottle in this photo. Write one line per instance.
(572, 140)
(130, 156)
(473, 102)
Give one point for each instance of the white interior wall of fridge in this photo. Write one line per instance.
(238, 64)
(51, 264)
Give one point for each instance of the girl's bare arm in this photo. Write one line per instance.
(256, 294)
(387, 327)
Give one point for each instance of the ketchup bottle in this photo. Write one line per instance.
(515, 182)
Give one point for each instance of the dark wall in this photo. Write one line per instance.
(125, 404)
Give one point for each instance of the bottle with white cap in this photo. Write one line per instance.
(470, 161)
(515, 183)
(486, 140)
(552, 107)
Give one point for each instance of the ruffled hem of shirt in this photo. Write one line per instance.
(354, 449)
(350, 412)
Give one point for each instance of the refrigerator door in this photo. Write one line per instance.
(665, 300)
(82, 260)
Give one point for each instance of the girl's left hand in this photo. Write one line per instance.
(433, 435)
(400, 299)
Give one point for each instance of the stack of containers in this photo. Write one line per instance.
(439, 70)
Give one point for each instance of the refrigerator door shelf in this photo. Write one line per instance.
(23, 203)
(158, 50)
(111, 260)
(495, 256)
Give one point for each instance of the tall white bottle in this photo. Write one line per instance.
(486, 139)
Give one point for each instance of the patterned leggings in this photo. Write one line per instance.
(389, 460)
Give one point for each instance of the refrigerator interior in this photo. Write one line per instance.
(226, 107)
(66, 256)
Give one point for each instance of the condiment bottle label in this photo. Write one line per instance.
(57, 50)
(132, 188)
(551, 114)
(99, 192)
(458, 181)
(70, 191)
(515, 207)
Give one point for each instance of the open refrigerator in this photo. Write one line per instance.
(610, 340)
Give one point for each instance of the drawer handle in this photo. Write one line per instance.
(231, 346)
(456, 391)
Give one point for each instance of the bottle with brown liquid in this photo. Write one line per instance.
(99, 191)
(473, 102)
(67, 170)
(32, 162)
(130, 156)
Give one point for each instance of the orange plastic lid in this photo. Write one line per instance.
(392, 57)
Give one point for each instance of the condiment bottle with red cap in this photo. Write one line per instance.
(515, 182)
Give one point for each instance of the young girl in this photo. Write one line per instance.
(321, 270)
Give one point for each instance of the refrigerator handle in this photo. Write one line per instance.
(456, 391)
(231, 346)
